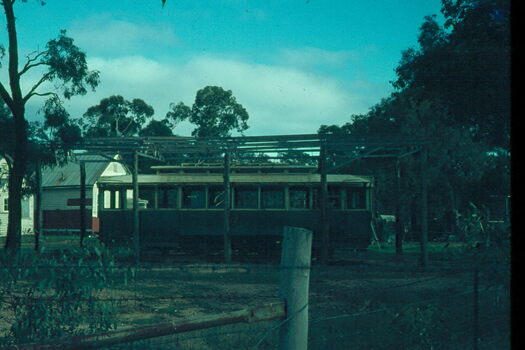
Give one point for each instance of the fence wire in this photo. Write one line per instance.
(354, 306)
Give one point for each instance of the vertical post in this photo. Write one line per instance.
(82, 202)
(424, 208)
(325, 228)
(37, 209)
(136, 222)
(475, 331)
(294, 287)
(227, 206)
(398, 224)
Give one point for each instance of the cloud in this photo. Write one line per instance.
(279, 99)
(309, 57)
(104, 35)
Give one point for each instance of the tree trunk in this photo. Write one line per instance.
(16, 177)
(16, 104)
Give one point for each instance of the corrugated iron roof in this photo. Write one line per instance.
(69, 174)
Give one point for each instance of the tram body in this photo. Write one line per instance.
(182, 207)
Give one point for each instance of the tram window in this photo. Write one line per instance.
(107, 199)
(215, 197)
(355, 198)
(147, 196)
(246, 197)
(299, 198)
(334, 198)
(273, 198)
(167, 197)
(194, 197)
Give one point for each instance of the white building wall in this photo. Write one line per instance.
(27, 216)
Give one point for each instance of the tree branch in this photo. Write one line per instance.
(33, 89)
(29, 63)
(5, 96)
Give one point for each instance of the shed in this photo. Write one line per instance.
(61, 191)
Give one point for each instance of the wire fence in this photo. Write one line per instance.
(355, 306)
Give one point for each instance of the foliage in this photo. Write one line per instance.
(156, 128)
(50, 296)
(453, 92)
(215, 112)
(115, 116)
(465, 64)
(422, 327)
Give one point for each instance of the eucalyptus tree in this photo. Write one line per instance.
(60, 63)
(215, 112)
(116, 116)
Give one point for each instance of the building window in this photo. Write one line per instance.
(246, 198)
(215, 197)
(25, 208)
(299, 198)
(167, 197)
(194, 197)
(356, 198)
(272, 198)
(6, 204)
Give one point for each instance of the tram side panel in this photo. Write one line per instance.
(166, 228)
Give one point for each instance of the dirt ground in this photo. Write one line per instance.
(366, 293)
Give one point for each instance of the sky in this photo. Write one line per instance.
(293, 64)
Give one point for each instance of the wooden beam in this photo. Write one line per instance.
(82, 202)
(424, 208)
(136, 218)
(227, 211)
(37, 209)
(266, 312)
(323, 206)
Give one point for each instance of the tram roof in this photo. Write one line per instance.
(248, 178)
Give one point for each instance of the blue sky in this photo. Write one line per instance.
(293, 64)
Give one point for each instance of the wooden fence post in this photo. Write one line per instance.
(136, 218)
(227, 213)
(424, 208)
(82, 202)
(37, 208)
(295, 275)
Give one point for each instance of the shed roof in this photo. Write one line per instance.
(69, 174)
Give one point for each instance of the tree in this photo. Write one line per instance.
(61, 63)
(116, 116)
(215, 112)
(465, 64)
(156, 128)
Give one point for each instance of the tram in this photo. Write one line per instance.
(182, 207)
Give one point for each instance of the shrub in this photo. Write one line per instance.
(53, 295)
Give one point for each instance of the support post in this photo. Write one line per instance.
(227, 206)
(37, 209)
(424, 209)
(325, 228)
(82, 202)
(398, 224)
(136, 218)
(294, 287)
(475, 316)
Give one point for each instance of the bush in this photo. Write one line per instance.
(50, 296)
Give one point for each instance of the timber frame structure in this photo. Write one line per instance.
(330, 152)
